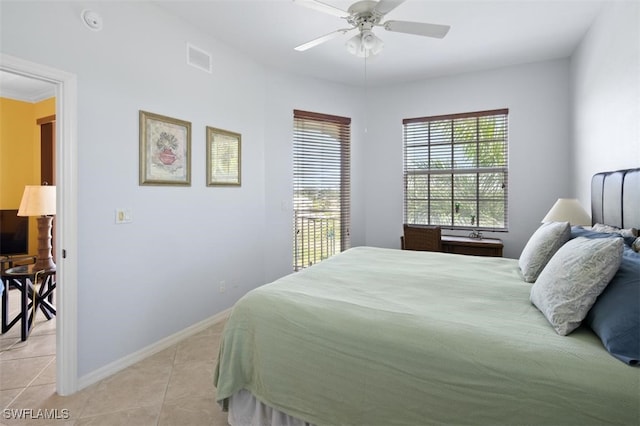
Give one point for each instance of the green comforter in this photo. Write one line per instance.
(381, 337)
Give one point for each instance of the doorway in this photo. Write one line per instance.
(65, 247)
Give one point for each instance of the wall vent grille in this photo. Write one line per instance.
(199, 58)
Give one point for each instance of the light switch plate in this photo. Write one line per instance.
(123, 216)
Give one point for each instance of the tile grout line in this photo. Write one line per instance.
(166, 388)
(32, 380)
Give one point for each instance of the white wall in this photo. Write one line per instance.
(143, 281)
(605, 100)
(161, 273)
(146, 280)
(286, 93)
(537, 96)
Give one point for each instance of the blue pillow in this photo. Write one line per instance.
(615, 317)
(629, 241)
(579, 231)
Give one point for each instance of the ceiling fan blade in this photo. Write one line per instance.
(322, 7)
(324, 38)
(417, 28)
(385, 6)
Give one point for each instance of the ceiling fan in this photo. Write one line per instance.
(364, 16)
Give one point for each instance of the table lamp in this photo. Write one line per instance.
(40, 201)
(568, 210)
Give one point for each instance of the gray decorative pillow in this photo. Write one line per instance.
(542, 245)
(572, 280)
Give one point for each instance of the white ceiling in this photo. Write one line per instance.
(484, 34)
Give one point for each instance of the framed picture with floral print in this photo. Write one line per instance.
(165, 150)
(223, 157)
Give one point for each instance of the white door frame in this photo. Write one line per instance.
(66, 252)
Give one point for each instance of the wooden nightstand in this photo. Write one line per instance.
(472, 246)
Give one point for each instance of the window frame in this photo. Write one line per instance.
(339, 129)
(418, 135)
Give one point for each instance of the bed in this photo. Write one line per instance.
(377, 336)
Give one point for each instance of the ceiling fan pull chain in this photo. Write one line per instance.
(366, 97)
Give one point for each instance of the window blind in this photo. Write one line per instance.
(321, 186)
(456, 170)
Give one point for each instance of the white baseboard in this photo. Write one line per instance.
(129, 360)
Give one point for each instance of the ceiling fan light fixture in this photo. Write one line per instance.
(371, 43)
(368, 39)
(354, 45)
(364, 44)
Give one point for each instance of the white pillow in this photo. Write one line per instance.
(542, 245)
(572, 280)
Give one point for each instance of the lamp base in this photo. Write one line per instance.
(44, 260)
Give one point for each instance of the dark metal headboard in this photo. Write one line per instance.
(615, 198)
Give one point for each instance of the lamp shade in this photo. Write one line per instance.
(38, 200)
(568, 210)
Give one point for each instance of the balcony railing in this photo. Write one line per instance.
(317, 237)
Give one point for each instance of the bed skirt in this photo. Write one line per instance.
(246, 410)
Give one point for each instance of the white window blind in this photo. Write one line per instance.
(321, 185)
(456, 170)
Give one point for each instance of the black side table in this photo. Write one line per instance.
(7, 262)
(23, 278)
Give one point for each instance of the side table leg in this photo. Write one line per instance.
(5, 306)
(24, 312)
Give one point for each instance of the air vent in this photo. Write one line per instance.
(199, 58)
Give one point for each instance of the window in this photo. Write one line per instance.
(456, 170)
(321, 187)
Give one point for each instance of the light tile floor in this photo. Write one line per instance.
(172, 387)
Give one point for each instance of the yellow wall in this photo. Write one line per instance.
(20, 152)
